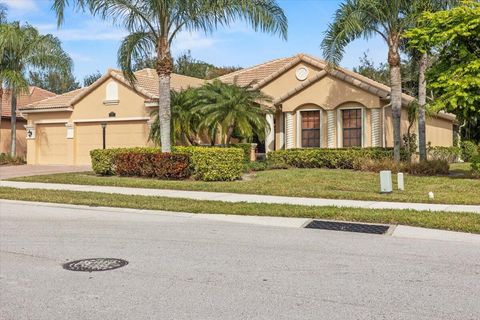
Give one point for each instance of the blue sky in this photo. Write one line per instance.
(93, 44)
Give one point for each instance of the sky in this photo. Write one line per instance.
(93, 43)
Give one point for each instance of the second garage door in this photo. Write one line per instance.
(89, 136)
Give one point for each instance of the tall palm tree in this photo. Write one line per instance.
(366, 18)
(232, 108)
(185, 121)
(153, 25)
(23, 49)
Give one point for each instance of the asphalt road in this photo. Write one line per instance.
(191, 268)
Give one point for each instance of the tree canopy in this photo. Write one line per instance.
(455, 76)
(54, 81)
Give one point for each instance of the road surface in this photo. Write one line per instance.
(189, 268)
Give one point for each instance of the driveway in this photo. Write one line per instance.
(191, 268)
(7, 172)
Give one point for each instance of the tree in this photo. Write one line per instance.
(365, 18)
(23, 49)
(232, 108)
(153, 25)
(455, 76)
(185, 122)
(53, 81)
(91, 78)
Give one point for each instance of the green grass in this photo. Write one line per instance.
(467, 222)
(315, 183)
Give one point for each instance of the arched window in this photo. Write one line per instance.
(111, 92)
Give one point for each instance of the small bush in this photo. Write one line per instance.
(247, 149)
(256, 166)
(102, 159)
(423, 168)
(156, 165)
(449, 154)
(469, 150)
(6, 159)
(475, 165)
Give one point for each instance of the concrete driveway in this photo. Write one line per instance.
(191, 268)
(7, 172)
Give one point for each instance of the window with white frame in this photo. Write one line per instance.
(310, 128)
(111, 94)
(351, 127)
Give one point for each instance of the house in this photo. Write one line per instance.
(315, 106)
(34, 94)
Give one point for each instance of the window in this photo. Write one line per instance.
(111, 94)
(310, 128)
(352, 127)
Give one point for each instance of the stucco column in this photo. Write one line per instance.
(289, 143)
(376, 127)
(270, 134)
(30, 132)
(70, 143)
(331, 129)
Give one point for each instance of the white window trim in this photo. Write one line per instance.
(299, 126)
(340, 128)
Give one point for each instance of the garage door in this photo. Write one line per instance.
(51, 143)
(88, 136)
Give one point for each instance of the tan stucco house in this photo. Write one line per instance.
(33, 95)
(315, 107)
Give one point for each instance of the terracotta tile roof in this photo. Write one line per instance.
(35, 94)
(256, 73)
(147, 84)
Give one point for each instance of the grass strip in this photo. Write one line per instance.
(466, 222)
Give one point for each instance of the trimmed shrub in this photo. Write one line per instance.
(469, 150)
(215, 163)
(449, 154)
(206, 163)
(325, 158)
(475, 165)
(173, 166)
(102, 159)
(429, 168)
(256, 166)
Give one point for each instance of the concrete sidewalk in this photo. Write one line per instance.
(250, 198)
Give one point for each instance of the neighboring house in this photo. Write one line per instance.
(315, 107)
(34, 94)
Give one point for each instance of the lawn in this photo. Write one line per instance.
(316, 183)
(467, 222)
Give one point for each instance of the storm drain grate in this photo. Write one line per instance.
(348, 226)
(95, 264)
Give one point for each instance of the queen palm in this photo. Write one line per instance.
(231, 108)
(366, 18)
(23, 49)
(154, 24)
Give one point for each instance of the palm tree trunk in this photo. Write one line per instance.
(230, 133)
(422, 97)
(395, 95)
(13, 119)
(164, 70)
(1, 105)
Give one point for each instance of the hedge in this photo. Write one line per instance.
(325, 158)
(206, 163)
(153, 165)
(469, 150)
(449, 154)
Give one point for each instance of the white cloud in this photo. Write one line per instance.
(192, 40)
(88, 31)
(20, 5)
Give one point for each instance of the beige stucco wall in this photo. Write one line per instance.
(5, 137)
(128, 128)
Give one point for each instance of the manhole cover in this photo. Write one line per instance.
(348, 226)
(95, 264)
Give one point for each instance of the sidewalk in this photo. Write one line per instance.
(251, 198)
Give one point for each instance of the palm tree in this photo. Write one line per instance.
(366, 18)
(185, 122)
(232, 108)
(23, 49)
(153, 25)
